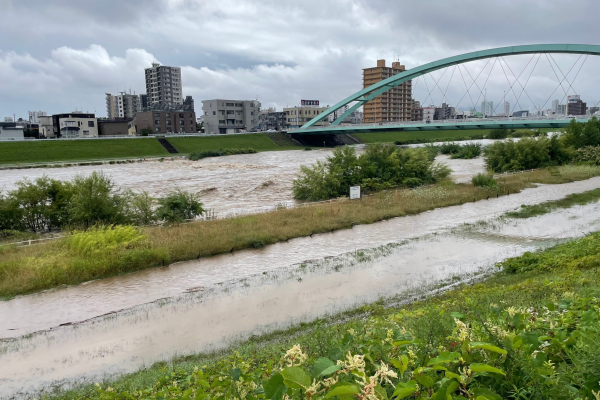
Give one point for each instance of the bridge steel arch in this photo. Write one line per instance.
(371, 92)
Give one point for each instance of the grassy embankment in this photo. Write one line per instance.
(41, 151)
(29, 269)
(530, 332)
(425, 136)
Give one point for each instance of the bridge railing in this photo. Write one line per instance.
(445, 121)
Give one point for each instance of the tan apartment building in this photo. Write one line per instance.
(395, 104)
(165, 121)
(300, 115)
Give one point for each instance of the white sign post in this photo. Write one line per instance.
(354, 192)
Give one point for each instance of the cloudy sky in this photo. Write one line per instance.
(62, 55)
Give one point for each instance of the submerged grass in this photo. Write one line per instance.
(520, 334)
(576, 199)
(34, 268)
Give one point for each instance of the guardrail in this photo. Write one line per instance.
(152, 136)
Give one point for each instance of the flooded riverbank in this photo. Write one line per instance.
(231, 184)
(202, 305)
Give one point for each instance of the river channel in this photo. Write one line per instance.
(107, 327)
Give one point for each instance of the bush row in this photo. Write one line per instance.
(85, 201)
(219, 153)
(379, 167)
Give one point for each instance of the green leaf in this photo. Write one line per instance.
(275, 388)
(380, 392)
(322, 365)
(425, 380)
(452, 375)
(476, 367)
(444, 357)
(202, 382)
(485, 394)
(235, 374)
(343, 390)
(296, 378)
(488, 347)
(405, 389)
(401, 364)
(445, 390)
(330, 370)
(402, 342)
(456, 315)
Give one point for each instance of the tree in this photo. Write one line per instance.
(178, 206)
(146, 131)
(94, 201)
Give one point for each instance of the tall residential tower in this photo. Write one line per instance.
(393, 105)
(163, 85)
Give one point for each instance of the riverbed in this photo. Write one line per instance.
(107, 327)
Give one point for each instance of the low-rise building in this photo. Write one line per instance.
(230, 116)
(300, 115)
(428, 114)
(10, 131)
(165, 122)
(46, 127)
(444, 112)
(34, 116)
(271, 120)
(114, 127)
(75, 125)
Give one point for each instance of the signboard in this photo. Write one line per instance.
(354, 192)
(309, 102)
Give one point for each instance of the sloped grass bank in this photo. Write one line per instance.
(70, 150)
(569, 201)
(523, 333)
(34, 268)
(258, 141)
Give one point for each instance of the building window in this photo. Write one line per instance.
(156, 114)
(169, 122)
(221, 121)
(229, 112)
(168, 115)
(157, 129)
(181, 122)
(86, 133)
(180, 115)
(229, 104)
(214, 113)
(156, 122)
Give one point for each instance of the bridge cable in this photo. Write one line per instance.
(576, 75)
(519, 82)
(447, 87)
(474, 80)
(510, 86)
(427, 86)
(558, 79)
(557, 66)
(486, 81)
(436, 83)
(467, 92)
(478, 75)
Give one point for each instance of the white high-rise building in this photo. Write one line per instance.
(163, 85)
(506, 107)
(122, 105)
(34, 116)
(487, 108)
(555, 104)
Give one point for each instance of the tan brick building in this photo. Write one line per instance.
(393, 105)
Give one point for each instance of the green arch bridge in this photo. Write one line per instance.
(363, 96)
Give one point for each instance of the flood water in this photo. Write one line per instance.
(227, 185)
(205, 304)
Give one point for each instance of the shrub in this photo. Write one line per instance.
(146, 132)
(498, 133)
(178, 206)
(467, 151)
(528, 153)
(138, 208)
(379, 167)
(449, 148)
(483, 180)
(218, 153)
(102, 239)
(580, 135)
(519, 133)
(588, 155)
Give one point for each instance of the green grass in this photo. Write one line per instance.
(566, 202)
(259, 141)
(535, 331)
(390, 137)
(424, 136)
(71, 150)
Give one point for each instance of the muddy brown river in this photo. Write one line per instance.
(230, 185)
(119, 325)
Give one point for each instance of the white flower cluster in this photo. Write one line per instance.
(294, 357)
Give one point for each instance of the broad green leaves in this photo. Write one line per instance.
(296, 378)
(342, 390)
(405, 389)
(275, 388)
(443, 358)
(488, 347)
(324, 366)
(476, 367)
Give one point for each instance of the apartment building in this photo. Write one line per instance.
(230, 116)
(122, 105)
(392, 106)
(300, 115)
(34, 116)
(166, 121)
(575, 106)
(163, 85)
(271, 120)
(46, 126)
(75, 125)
